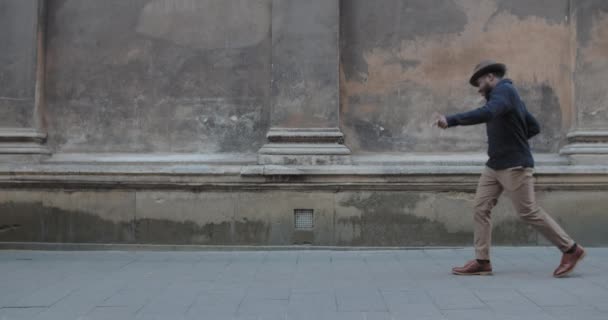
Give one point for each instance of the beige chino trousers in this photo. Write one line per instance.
(517, 184)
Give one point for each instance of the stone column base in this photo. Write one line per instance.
(587, 147)
(22, 143)
(304, 146)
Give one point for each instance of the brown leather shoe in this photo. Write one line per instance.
(569, 261)
(473, 268)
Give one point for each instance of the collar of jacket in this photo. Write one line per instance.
(500, 83)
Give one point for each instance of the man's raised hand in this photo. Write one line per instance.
(440, 120)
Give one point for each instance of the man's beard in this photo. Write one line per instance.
(485, 91)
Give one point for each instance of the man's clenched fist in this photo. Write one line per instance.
(440, 120)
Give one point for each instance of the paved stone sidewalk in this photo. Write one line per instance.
(308, 284)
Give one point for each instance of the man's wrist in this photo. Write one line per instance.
(451, 120)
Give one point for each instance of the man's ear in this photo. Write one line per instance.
(490, 79)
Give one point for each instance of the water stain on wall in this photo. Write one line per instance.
(389, 220)
(412, 219)
(36, 222)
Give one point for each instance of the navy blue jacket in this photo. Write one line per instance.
(509, 125)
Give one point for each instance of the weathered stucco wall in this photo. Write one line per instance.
(195, 76)
(360, 218)
(180, 86)
(305, 59)
(404, 59)
(18, 22)
(591, 63)
(158, 76)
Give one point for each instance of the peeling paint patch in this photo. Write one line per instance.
(535, 49)
(384, 25)
(207, 24)
(551, 10)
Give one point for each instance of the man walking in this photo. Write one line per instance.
(509, 169)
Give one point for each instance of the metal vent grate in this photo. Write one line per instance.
(303, 219)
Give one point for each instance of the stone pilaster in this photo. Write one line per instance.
(590, 146)
(588, 139)
(22, 79)
(305, 85)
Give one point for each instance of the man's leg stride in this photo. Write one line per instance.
(519, 185)
(486, 197)
(506, 118)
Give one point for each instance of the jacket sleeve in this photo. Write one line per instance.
(532, 125)
(498, 104)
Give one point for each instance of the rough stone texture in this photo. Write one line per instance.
(591, 63)
(305, 63)
(407, 58)
(163, 76)
(18, 23)
(359, 218)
